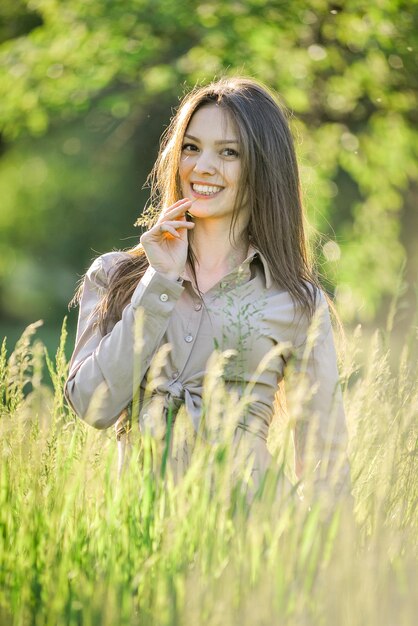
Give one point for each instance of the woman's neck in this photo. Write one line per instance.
(213, 249)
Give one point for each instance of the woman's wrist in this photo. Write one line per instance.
(174, 276)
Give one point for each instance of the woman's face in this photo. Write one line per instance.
(210, 165)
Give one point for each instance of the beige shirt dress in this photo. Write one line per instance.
(246, 317)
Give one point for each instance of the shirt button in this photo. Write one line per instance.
(188, 338)
(197, 306)
(175, 374)
(164, 297)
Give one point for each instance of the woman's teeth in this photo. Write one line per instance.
(206, 190)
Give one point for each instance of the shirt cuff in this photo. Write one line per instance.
(160, 288)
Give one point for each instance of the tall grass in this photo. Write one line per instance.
(78, 546)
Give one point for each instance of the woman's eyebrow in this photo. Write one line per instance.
(220, 141)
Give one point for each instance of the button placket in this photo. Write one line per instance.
(190, 329)
(190, 334)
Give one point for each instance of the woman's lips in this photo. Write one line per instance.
(204, 196)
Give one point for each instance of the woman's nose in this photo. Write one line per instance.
(204, 164)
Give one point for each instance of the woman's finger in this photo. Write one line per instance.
(176, 207)
(168, 226)
(172, 227)
(169, 229)
(174, 224)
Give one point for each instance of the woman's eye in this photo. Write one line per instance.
(230, 152)
(189, 147)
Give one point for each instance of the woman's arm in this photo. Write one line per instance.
(315, 404)
(105, 371)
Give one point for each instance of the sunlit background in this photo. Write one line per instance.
(87, 88)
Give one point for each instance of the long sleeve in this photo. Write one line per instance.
(105, 371)
(315, 405)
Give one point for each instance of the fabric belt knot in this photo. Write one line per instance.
(171, 395)
(175, 389)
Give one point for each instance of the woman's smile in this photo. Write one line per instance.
(205, 190)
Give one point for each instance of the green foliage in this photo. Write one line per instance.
(22, 368)
(87, 87)
(79, 546)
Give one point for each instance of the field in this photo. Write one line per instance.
(78, 546)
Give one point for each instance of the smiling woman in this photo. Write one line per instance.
(210, 165)
(223, 265)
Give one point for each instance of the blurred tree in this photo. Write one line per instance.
(17, 20)
(86, 87)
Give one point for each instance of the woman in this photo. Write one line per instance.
(223, 266)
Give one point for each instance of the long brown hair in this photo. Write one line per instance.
(270, 178)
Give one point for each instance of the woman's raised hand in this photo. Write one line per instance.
(166, 243)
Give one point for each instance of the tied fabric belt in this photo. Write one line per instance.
(170, 396)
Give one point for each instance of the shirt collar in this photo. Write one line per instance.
(252, 252)
(242, 269)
